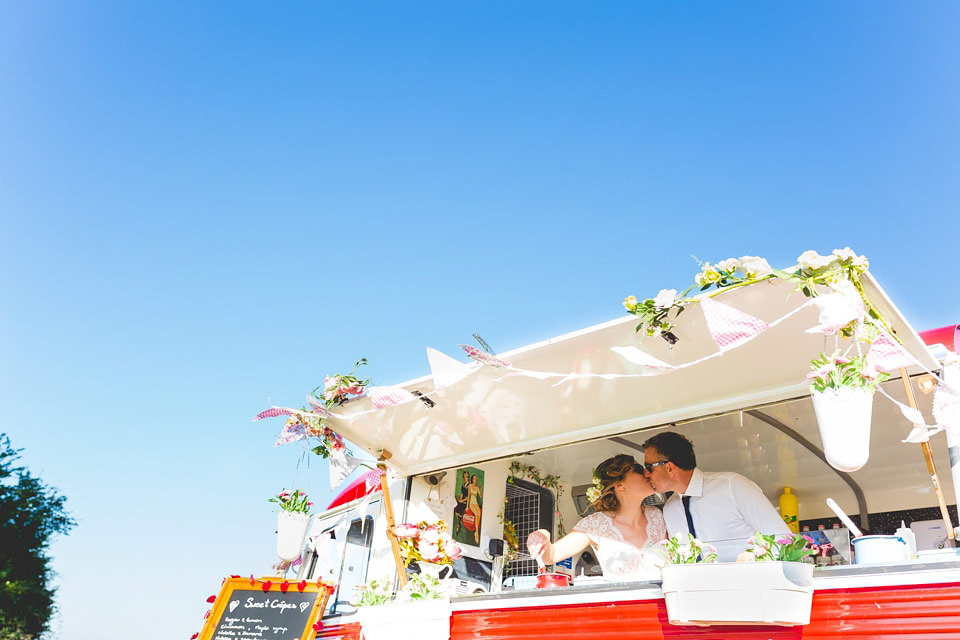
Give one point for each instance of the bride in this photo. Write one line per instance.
(625, 533)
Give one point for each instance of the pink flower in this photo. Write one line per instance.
(406, 530)
(785, 540)
(808, 539)
(841, 360)
(453, 549)
(284, 495)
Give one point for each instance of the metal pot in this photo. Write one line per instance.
(874, 549)
(547, 580)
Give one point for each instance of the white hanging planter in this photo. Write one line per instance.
(291, 531)
(773, 593)
(430, 619)
(844, 417)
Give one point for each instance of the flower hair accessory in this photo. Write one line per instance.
(596, 489)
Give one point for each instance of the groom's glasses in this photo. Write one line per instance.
(650, 465)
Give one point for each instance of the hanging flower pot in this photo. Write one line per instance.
(843, 389)
(844, 416)
(291, 531)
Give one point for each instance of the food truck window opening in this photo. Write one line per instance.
(529, 507)
(349, 570)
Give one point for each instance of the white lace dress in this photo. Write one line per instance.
(619, 559)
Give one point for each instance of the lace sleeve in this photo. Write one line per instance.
(656, 527)
(595, 526)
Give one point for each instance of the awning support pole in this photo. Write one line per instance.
(394, 543)
(931, 467)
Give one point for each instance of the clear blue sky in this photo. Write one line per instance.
(206, 207)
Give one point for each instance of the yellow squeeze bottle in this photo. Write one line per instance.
(788, 509)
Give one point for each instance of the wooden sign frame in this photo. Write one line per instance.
(264, 589)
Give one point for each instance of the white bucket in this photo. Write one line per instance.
(877, 549)
(291, 530)
(843, 416)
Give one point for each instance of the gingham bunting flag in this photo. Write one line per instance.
(372, 478)
(729, 327)
(388, 396)
(273, 412)
(886, 355)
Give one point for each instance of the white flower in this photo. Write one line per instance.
(729, 265)
(861, 264)
(665, 298)
(701, 280)
(813, 260)
(844, 254)
(754, 267)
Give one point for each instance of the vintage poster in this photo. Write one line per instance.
(467, 514)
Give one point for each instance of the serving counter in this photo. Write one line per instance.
(917, 600)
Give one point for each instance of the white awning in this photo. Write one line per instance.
(488, 414)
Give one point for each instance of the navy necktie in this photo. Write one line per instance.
(686, 512)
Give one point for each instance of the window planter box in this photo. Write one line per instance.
(430, 618)
(775, 593)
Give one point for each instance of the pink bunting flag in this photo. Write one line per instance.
(318, 407)
(372, 479)
(273, 413)
(886, 355)
(388, 396)
(729, 327)
(484, 358)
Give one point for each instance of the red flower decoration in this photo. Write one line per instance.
(302, 585)
(212, 599)
(318, 625)
(194, 636)
(266, 586)
(284, 586)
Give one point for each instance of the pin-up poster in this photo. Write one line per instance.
(469, 510)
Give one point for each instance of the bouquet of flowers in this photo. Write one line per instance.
(426, 542)
(295, 502)
(678, 550)
(837, 371)
(791, 547)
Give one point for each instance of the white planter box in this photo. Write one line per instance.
(778, 593)
(429, 618)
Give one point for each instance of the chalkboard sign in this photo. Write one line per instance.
(266, 609)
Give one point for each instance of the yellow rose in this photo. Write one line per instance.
(630, 303)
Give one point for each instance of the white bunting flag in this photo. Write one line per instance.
(886, 355)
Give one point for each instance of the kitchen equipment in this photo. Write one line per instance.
(874, 549)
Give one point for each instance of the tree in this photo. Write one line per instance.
(31, 513)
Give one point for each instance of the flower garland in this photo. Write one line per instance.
(308, 423)
(812, 270)
(510, 536)
(521, 471)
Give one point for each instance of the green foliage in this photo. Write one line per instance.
(30, 514)
(547, 481)
(687, 551)
(373, 593)
(791, 547)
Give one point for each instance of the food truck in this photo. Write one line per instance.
(523, 431)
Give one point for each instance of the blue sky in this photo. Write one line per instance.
(205, 208)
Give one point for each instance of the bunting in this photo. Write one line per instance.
(729, 327)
